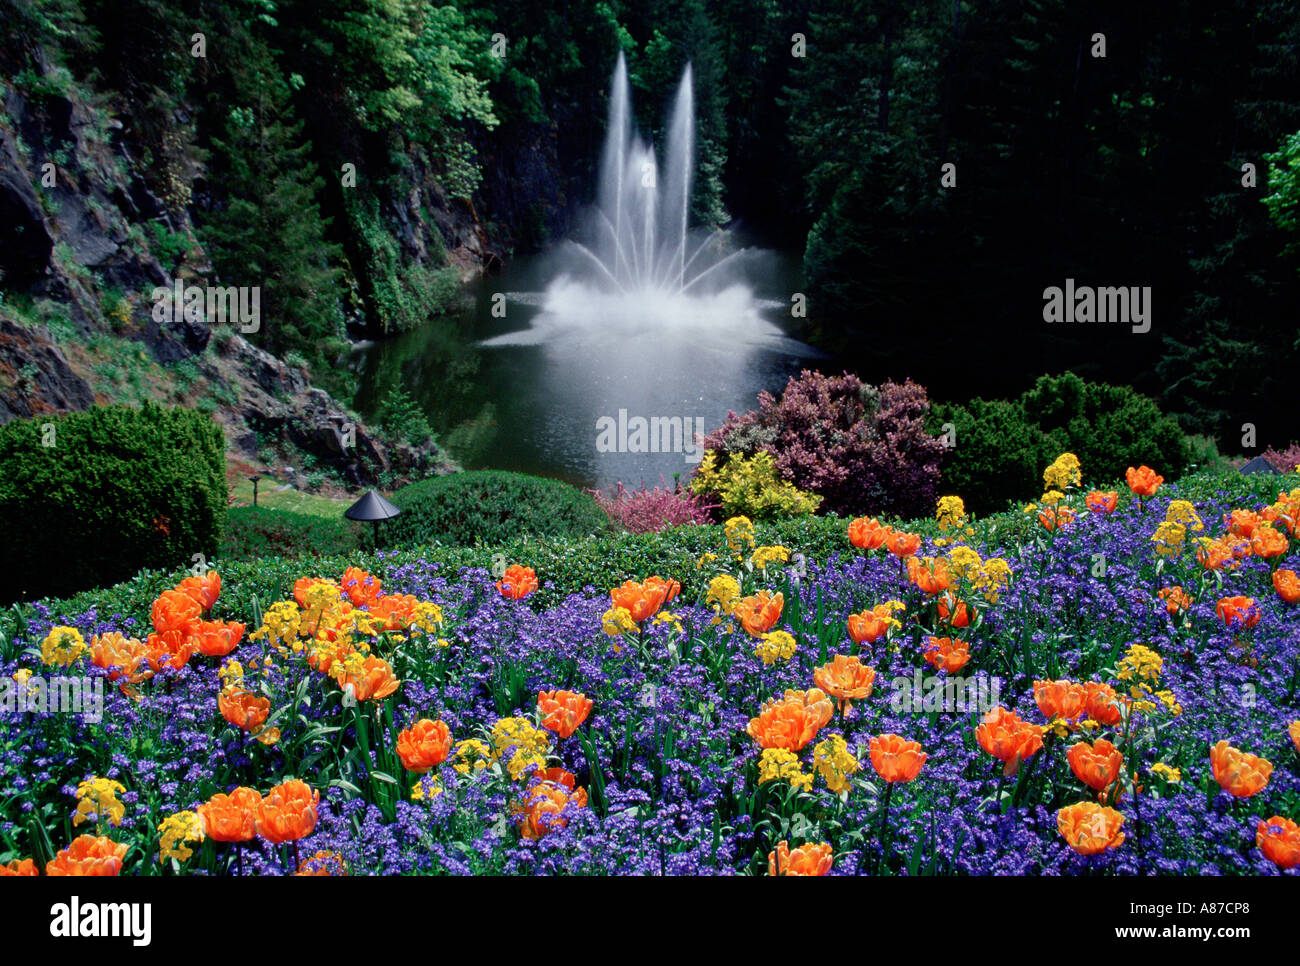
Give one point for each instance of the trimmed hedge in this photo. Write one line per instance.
(119, 489)
(254, 531)
(489, 506)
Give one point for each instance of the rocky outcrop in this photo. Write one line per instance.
(276, 402)
(35, 376)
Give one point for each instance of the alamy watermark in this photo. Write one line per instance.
(56, 695)
(233, 305)
(921, 693)
(657, 434)
(1128, 305)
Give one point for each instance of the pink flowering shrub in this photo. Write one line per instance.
(1284, 461)
(648, 511)
(863, 449)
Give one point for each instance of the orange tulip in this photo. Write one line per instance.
(1096, 765)
(947, 654)
(556, 776)
(868, 534)
(1287, 585)
(88, 855)
(1099, 502)
(1242, 523)
(1175, 599)
(19, 867)
(394, 611)
(1239, 773)
(1144, 481)
(233, 817)
(949, 604)
(213, 639)
(930, 578)
(1267, 543)
(374, 679)
(1055, 517)
(845, 678)
(204, 590)
(1215, 554)
(1102, 703)
(643, 600)
(872, 624)
(424, 745)
(322, 863)
(1293, 729)
(243, 709)
(361, 588)
(1279, 840)
(542, 812)
(517, 583)
(175, 612)
(122, 656)
(901, 544)
(759, 614)
(805, 860)
(1238, 613)
(169, 649)
(896, 759)
(288, 812)
(1060, 699)
(1007, 738)
(792, 721)
(1090, 828)
(563, 711)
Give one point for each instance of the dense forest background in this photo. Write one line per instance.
(366, 153)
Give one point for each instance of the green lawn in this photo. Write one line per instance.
(272, 497)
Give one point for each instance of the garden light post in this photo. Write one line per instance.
(374, 508)
(255, 479)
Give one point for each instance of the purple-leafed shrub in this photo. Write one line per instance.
(865, 450)
(647, 511)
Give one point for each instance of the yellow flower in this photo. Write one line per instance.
(740, 534)
(964, 562)
(428, 787)
(708, 558)
(175, 831)
(22, 675)
(62, 645)
(1172, 775)
(779, 764)
(1183, 514)
(724, 591)
(521, 735)
(1052, 497)
(763, 556)
(836, 763)
(1140, 663)
(1064, 472)
(951, 512)
(993, 577)
(776, 646)
(97, 800)
(471, 754)
(617, 621)
(521, 762)
(1169, 538)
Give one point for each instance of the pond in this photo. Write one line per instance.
(569, 403)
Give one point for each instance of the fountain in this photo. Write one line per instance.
(639, 267)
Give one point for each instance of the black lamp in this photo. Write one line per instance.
(374, 508)
(255, 478)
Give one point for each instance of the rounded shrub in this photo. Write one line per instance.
(998, 453)
(490, 506)
(87, 499)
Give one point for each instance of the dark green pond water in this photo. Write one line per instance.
(540, 407)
